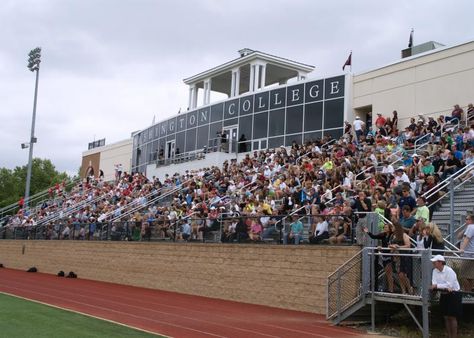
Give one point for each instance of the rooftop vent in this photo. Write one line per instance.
(418, 49)
(245, 52)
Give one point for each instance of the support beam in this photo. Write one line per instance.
(252, 78)
(263, 78)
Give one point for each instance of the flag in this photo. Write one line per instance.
(348, 61)
(410, 41)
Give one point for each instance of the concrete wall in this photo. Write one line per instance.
(429, 83)
(110, 155)
(288, 277)
(90, 159)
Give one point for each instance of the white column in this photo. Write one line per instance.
(252, 78)
(195, 97)
(192, 97)
(207, 92)
(262, 79)
(232, 84)
(190, 100)
(257, 77)
(237, 82)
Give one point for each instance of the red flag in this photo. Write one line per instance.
(348, 61)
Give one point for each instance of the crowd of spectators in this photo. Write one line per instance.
(319, 192)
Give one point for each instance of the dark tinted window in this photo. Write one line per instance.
(295, 95)
(190, 140)
(181, 122)
(260, 125)
(314, 91)
(294, 119)
(246, 105)
(231, 109)
(313, 116)
(289, 139)
(312, 136)
(180, 141)
(334, 87)
(261, 101)
(172, 126)
(191, 119)
(275, 142)
(245, 127)
(231, 122)
(335, 133)
(277, 98)
(216, 128)
(333, 113)
(202, 137)
(276, 125)
(217, 112)
(204, 116)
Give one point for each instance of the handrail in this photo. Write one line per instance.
(362, 172)
(443, 184)
(421, 138)
(149, 202)
(432, 114)
(328, 143)
(69, 210)
(454, 188)
(34, 197)
(290, 214)
(56, 214)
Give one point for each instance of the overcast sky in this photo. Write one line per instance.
(109, 66)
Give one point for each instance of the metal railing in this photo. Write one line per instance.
(426, 137)
(362, 281)
(34, 199)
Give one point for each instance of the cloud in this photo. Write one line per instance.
(110, 66)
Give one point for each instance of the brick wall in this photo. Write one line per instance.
(289, 277)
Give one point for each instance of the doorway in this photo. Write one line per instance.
(231, 136)
(170, 149)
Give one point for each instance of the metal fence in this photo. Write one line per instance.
(398, 276)
(226, 228)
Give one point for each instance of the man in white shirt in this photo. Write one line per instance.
(444, 279)
(387, 168)
(359, 127)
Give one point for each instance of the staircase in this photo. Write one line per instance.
(463, 204)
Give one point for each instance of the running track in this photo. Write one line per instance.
(167, 313)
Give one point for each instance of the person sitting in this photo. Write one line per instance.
(296, 232)
(319, 231)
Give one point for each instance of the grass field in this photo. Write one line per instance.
(22, 318)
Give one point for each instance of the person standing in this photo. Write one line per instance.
(359, 127)
(467, 250)
(444, 279)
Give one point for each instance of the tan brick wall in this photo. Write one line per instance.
(288, 277)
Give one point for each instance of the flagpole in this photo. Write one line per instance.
(350, 69)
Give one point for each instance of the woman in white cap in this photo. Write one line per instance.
(444, 279)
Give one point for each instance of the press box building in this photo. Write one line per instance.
(272, 102)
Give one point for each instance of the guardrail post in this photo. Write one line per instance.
(426, 272)
(451, 207)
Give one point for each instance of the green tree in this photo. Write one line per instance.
(13, 182)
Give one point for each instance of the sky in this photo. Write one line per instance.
(108, 66)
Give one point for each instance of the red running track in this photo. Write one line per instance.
(167, 313)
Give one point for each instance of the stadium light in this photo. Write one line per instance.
(34, 60)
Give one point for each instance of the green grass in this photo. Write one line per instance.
(22, 318)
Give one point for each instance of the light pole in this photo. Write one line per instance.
(34, 61)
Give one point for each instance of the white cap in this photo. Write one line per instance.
(357, 117)
(438, 258)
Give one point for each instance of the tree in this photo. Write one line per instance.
(12, 182)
